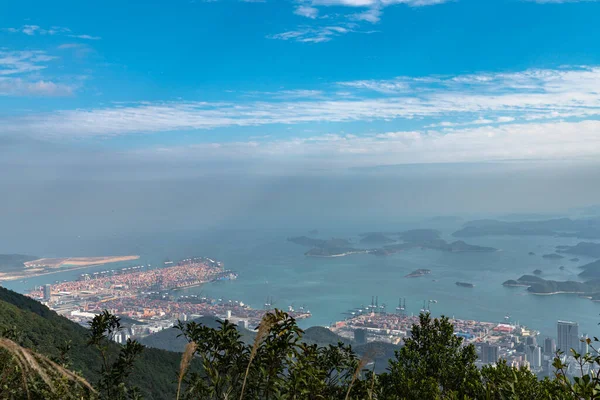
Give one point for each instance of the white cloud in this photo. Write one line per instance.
(20, 87)
(307, 11)
(308, 34)
(32, 30)
(551, 141)
(19, 75)
(86, 37)
(19, 62)
(561, 1)
(483, 99)
(382, 86)
(371, 12)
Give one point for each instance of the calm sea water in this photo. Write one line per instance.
(268, 265)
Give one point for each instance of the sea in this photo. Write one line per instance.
(269, 266)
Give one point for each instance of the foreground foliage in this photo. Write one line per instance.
(433, 364)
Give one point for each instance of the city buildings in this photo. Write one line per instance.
(568, 336)
(47, 292)
(489, 353)
(549, 346)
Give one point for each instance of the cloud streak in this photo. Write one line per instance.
(530, 95)
(33, 30)
(19, 72)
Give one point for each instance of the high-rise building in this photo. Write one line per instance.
(534, 356)
(531, 341)
(489, 353)
(549, 346)
(360, 336)
(47, 292)
(568, 336)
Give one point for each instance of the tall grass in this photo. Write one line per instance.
(36, 365)
(361, 364)
(186, 360)
(266, 323)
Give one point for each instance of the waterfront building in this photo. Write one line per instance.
(568, 336)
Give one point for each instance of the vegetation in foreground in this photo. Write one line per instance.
(432, 364)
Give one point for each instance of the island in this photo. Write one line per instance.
(552, 256)
(537, 272)
(45, 266)
(587, 249)
(591, 270)
(375, 238)
(531, 253)
(465, 284)
(419, 235)
(537, 285)
(586, 228)
(417, 273)
(562, 267)
(334, 251)
(439, 244)
(412, 239)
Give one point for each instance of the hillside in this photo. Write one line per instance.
(43, 330)
(167, 339)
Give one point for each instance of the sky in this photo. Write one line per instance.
(186, 89)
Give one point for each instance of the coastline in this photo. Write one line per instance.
(552, 293)
(24, 275)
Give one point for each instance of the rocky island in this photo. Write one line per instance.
(465, 284)
(417, 273)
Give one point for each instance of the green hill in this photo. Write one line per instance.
(167, 338)
(44, 331)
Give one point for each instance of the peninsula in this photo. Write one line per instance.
(45, 266)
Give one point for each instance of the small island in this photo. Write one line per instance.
(465, 284)
(562, 267)
(537, 272)
(531, 253)
(417, 273)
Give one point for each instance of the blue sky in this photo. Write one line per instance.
(321, 82)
